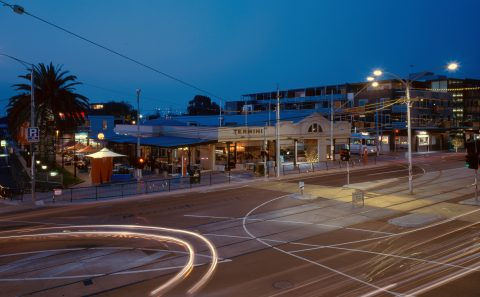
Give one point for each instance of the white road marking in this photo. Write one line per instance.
(380, 173)
(185, 271)
(373, 293)
(101, 274)
(291, 222)
(364, 240)
(303, 258)
(443, 281)
(316, 246)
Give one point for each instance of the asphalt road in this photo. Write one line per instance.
(268, 243)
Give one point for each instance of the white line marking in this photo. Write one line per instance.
(291, 222)
(101, 274)
(350, 250)
(444, 280)
(373, 293)
(303, 258)
(379, 173)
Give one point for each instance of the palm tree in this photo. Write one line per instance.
(57, 105)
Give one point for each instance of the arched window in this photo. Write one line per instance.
(314, 128)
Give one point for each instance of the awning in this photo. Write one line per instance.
(162, 141)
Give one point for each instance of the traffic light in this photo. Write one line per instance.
(471, 161)
(473, 150)
(140, 163)
(345, 155)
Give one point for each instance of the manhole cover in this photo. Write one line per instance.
(282, 285)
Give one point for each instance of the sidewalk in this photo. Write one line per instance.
(438, 196)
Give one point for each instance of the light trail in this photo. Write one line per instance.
(182, 274)
(245, 218)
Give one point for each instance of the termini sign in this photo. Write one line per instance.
(247, 131)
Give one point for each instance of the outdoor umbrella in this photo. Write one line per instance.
(102, 164)
(104, 153)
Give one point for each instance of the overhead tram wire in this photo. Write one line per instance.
(181, 81)
(128, 95)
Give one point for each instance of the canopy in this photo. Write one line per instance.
(87, 150)
(76, 146)
(104, 153)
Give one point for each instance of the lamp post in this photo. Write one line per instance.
(139, 171)
(277, 134)
(452, 66)
(32, 111)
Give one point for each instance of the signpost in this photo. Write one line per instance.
(33, 134)
(301, 186)
(358, 197)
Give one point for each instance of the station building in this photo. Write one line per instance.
(234, 141)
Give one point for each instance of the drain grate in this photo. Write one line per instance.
(283, 284)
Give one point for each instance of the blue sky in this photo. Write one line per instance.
(236, 47)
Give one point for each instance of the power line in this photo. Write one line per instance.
(117, 53)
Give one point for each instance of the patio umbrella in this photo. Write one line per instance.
(102, 164)
(104, 153)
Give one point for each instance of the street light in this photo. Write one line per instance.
(407, 83)
(370, 78)
(19, 9)
(375, 84)
(452, 66)
(139, 152)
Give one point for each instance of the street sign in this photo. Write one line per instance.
(33, 134)
(301, 186)
(358, 198)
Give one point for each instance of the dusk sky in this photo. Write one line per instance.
(236, 47)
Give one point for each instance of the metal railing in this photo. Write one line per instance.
(143, 187)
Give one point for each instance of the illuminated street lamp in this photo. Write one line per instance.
(453, 66)
(375, 84)
(370, 78)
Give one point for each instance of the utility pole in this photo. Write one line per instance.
(139, 171)
(409, 135)
(265, 151)
(376, 124)
(332, 149)
(32, 124)
(220, 117)
(277, 132)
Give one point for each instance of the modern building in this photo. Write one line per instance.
(379, 110)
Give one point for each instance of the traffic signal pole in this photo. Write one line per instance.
(348, 172)
(32, 124)
(476, 172)
(476, 185)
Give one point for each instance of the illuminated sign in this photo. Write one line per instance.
(248, 131)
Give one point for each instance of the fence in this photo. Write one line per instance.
(317, 166)
(164, 185)
(142, 187)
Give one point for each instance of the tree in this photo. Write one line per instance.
(57, 105)
(119, 109)
(202, 105)
(457, 142)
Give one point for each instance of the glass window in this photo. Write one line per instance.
(314, 128)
